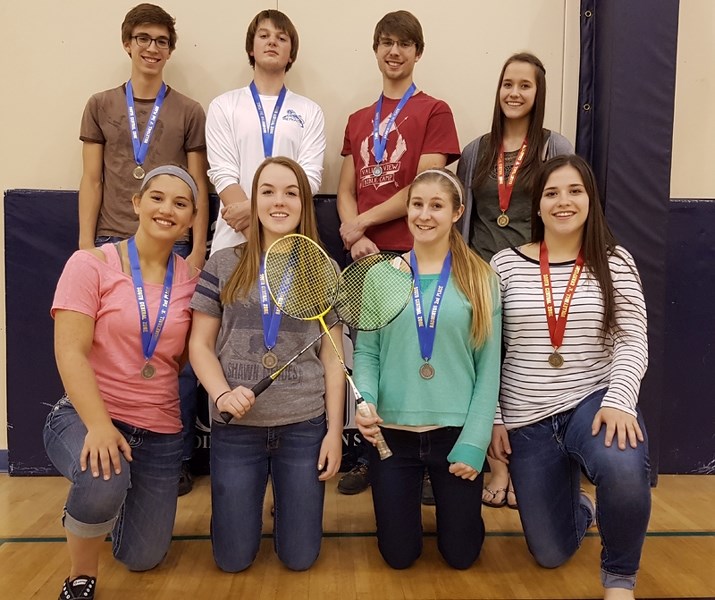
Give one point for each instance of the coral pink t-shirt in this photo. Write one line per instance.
(104, 292)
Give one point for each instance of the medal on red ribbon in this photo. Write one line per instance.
(505, 186)
(557, 327)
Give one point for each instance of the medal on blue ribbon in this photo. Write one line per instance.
(379, 142)
(271, 317)
(427, 329)
(149, 338)
(141, 147)
(268, 130)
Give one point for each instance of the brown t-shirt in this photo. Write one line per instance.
(180, 128)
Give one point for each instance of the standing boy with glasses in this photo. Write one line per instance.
(127, 131)
(386, 145)
(118, 149)
(249, 124)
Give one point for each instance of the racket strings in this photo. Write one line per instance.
(301, 278)
(374, 290)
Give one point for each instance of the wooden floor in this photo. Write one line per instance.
(678, 559)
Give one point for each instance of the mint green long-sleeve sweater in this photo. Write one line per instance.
(465, 387)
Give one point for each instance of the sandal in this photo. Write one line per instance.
(493, 493)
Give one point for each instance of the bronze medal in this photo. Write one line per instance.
(427, 371)
(148, 371)
(503, 220)
(269, 360)
(377, 170)
(555, 359)
(138, 172)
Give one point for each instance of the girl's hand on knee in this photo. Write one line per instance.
(618, 424)
(463, 470)
(103, 445)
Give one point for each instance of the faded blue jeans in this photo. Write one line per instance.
(138, 506)
(545, 465)
(242, 458)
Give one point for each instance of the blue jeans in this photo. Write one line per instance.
(546, 463)
(397, 496)
(138, 506)
(188, 398)
(242, 457)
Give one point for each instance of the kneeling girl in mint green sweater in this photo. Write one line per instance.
(432, 380)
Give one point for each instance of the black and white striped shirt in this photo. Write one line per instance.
(531, 389)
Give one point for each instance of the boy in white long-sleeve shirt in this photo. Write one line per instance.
(246, 125)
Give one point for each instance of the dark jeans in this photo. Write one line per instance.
(545, 464)
(188, 398)
(397, 499)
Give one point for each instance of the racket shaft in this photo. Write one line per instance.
(382, 447)
(265, 383)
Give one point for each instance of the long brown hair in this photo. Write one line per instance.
(534, 136)
(598, 242)
(473, 276)
(244, 277)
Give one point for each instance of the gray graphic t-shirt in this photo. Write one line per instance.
(298, 393)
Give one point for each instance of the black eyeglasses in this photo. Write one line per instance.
(144, 41)
(388, 43)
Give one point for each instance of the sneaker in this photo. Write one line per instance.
(186, 482)
(427, 493)
(354, 481)
(587, 501)
(79, 587)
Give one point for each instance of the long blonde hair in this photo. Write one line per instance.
(473, 276)
(244, 277)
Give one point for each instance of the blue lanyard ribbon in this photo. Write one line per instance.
(426, 331)
(379, 142)
(141, 148)
(268, 130)
(271, 315)
(149, 338)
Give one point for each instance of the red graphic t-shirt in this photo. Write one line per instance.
(424, 126)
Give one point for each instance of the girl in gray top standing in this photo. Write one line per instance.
(497, 170)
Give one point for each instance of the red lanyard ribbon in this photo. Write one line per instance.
(557, 327)
(506, 187)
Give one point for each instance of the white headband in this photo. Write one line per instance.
(446, 174)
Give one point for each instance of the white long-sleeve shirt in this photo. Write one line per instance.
(531, 389)
(234, 144)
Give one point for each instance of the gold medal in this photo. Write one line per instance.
(427, 371)
(138, 172)
(555, 359)
(269, 360)
(503, 220)
(148, 371)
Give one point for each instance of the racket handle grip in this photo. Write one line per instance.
(226, 416)
(262, 386)
(382, 448)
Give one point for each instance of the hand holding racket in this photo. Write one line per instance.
(367, 295)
